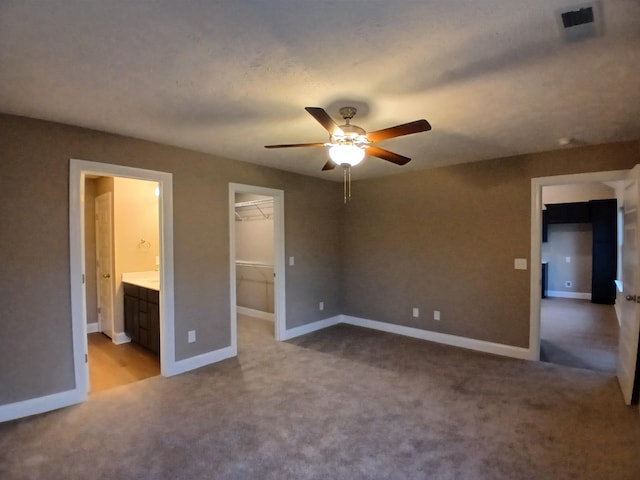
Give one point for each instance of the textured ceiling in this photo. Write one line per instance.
(493, 77)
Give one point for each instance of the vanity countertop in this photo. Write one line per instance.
(150, 280)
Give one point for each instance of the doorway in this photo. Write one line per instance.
(578, 320)
(122, 239)
(537, 185)
(256, 226)
(80, 170)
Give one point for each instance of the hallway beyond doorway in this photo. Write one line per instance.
(578, 333)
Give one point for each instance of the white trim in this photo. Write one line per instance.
(279, 284)
(120, 337)
(191, 363)
(78, 169)
(312, 327)
(576, 295)
(444, 338)
(93, 327)
(38, 405)
(536, 240)
(255, 313)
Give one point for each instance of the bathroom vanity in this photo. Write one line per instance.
(142, 310)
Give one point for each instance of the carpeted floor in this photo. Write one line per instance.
(342, 403)
(578, 333)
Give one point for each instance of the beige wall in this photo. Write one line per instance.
(446, 239)
(136, 234)
(90, 250)
(35, 311)
(582, 192)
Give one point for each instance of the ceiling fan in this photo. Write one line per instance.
(348, 143)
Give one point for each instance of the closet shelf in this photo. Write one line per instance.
(245, 263)
(255, 204)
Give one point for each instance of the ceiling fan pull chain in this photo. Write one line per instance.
(344, 184)
(347, 183)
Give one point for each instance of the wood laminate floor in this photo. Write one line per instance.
(578, 333)
(112, 365)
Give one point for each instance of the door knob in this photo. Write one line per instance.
(631, 298)
(108, 275)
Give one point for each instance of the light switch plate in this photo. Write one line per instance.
(520, 264)
(292, 261)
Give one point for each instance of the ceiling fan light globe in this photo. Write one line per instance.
(346, 154)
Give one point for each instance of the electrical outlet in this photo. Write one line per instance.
(436, 314)
(321, 306)
(191, 336)
(567, 259)
(568, 284)
(416, 312)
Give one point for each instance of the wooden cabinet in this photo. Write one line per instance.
(142, 316)
(605, 251)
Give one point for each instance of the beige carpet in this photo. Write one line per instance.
(343, 403)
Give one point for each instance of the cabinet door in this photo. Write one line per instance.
(153, 322)
(605, 251)
(131, 317)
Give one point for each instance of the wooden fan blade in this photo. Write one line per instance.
(296, 145)
(387, 155)
(325, 120)
(328, 166)
(399, 130)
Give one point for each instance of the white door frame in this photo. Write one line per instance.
(78, 170)
(279, 302)
(536, 240)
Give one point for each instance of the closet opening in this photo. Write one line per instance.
(257, 264)
(254, 265)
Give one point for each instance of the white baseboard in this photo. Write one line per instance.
(255, 313)
(311, 327)
(618, 313)
(93, 327)
(182, 366)
(444, 338)
(120, 337)
(561, 294)
(38, 405)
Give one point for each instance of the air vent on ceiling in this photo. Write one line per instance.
(580, 22)
(577, 17)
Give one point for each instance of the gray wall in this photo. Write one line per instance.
(445, 239)
(35, 307)
(573, 240)
(442, 239)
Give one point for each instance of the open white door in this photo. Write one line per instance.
(630, 321)
(104, 255)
